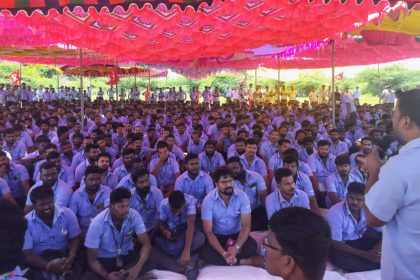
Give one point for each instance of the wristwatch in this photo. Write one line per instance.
(238, 248)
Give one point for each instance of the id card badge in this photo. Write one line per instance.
(119, 262)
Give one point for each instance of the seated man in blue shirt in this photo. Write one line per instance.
(251, 161)
(17, 178)
(355, 247)
(49, 178)
(297, 245)
(226, 217)
(322, 164)
(302, 181)
(111, 252)
(164, 168)
(254, 186)
(52, 238)
(177, 237)
(286, 195)
(210, 159)
(146, 199)
(90, 199)
(338, 182)
(194, 181)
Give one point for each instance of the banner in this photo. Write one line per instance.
(113, 77)
(15, 77)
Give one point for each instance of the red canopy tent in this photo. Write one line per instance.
(157, 35)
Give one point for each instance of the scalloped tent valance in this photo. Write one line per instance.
(45, 6)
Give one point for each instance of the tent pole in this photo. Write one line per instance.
(278, 80)
(58, 78)
(117, 78)
(333, 79)
(256, 75)
(20, 74)
(379, 81)
(82, 98)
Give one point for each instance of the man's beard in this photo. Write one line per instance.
(143, 191)
(228, 191)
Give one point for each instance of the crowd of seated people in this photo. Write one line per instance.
(172, 185)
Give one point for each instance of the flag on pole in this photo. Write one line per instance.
(339, 76)
(15, 77)
(113, 77)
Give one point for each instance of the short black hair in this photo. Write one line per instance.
(42, 139)
(161, 145)
(220, 172)
(61, 130)
(290, 158)
(292, 151)
(91, 147)
(342, 159)
(92, 169)
(47, 165)
(251, 141)
(304, 236)
(323, 143)
(408, 103)
(356, 187)
(138, 172)
(233, 159)
(366, 138)
(53, 155)
(209, 143)
(42, 192)
(12, 236)
(176, 199)
(118, 195)
(104, 154)
(190, 156)
(281, 141)
(282, 173)
(128, 151)
(8, 131)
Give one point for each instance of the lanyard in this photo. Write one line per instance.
(119, 248)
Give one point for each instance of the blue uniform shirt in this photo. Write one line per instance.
(149, 207)
(302, 183)
(254, 183)
(226, 219)
(196, 148)
(17, 151)
(335, 184)
(127, 182)
(14, 178)
(40, 237)
(257, 165)
(172, 220)
(210, 165)
(198, 188)
(62, 193)
(4, 188)
(344, 226)
(121, 172)
(267, 150)
(103, 235)
(275, 201)
(322, 170)
(275, 162)
(339, 149)
(84, 209)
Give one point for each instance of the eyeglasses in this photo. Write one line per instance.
(266, 245)
(225, 182)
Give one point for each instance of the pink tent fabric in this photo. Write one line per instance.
(151, 36)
